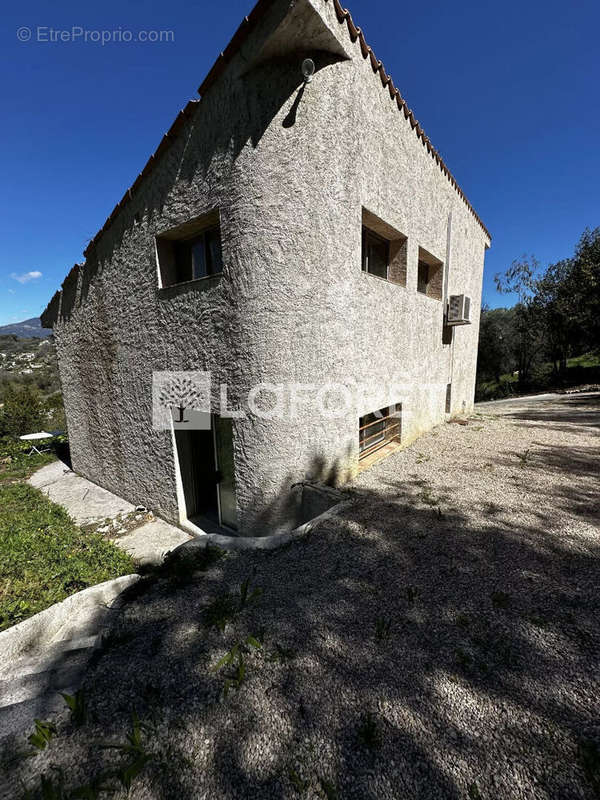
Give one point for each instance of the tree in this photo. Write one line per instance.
(586, 286)
(520, 279)
(22, 412)
(557, 304)
(496, 343)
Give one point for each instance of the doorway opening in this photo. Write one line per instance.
(206, 465)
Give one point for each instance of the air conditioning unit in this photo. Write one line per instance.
(459, 310)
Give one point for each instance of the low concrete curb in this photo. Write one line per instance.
(81, 614)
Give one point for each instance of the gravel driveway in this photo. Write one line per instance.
(441, 640)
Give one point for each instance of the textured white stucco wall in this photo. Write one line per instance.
(293, 304)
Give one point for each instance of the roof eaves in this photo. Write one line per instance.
(355, 32)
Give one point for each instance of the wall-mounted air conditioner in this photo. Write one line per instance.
(459, 310)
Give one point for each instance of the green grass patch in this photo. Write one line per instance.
(45, 557)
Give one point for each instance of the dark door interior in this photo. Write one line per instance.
(196, 454)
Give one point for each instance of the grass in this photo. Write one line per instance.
(45, 557)
(16, 465)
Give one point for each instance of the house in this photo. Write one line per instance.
(296, 236)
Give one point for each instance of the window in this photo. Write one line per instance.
(383, 250)
(430, 275)
(199, 257)
(422, 277)
(379, 428)
(191, 251)
(375, 254)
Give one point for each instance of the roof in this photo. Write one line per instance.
(246, 27)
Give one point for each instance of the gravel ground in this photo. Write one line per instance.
(441, 640)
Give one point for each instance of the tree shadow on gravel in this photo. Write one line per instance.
(405, 653)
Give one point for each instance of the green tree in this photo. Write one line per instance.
(496, 343)
(520, 279)
(22, 412)
(586, 285)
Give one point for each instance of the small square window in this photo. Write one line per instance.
(430, 275)
(190, 252)
(383, 249)
(199, 257)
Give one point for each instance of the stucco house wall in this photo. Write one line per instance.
(290, 170)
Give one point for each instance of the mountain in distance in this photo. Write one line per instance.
(27, 329)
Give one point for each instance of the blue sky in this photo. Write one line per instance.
(507, 92)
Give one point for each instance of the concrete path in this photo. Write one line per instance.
(85, 502)
(145, 537)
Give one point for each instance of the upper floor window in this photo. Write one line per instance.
(199, 256)
(383, 249)
(191, 251)
(430, 275)
(375, 254)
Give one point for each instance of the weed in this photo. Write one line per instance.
(78, 707)
(134, 752)
(411, 595)
(588, 755)
(428, 497)
(235, 659)
(43, 734)
(474, 793)
(281, 653)
(246, 596)
(463, 620)
(298, 783)
(221, 612)
(500, 599)
(523, 457)
(421, 457)
(383, 628)
(328, 789)
(369, 734)
(224, 609)
(49, 790)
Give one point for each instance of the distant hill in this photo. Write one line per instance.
(26, 329)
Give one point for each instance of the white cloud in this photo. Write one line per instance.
(25, 277)
(11, 291)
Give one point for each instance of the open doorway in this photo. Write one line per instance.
(207, 471)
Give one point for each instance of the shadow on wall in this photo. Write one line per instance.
(288, 509)
(466, 643)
